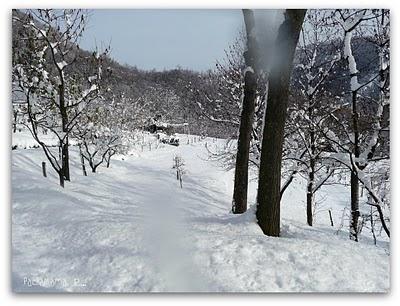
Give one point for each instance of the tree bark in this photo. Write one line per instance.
(311, 170)
(239, 202)
(354, 182)
(382, 218)
(82, 160)
(15, 121)
(355, 212)
(65, 159)
(310, 197)
(109, 160)
(61, 176)
(64, 121)
(268, 197)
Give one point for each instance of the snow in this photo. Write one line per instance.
(62, 65)
(86, 92)
(23, 139)
(54, 46)
(248, 69)
(354, 85)
(92, 78)
(131, 228)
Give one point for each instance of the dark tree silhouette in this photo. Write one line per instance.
(239, 203)
(268, 197)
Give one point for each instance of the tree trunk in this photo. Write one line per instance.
(65, 159)
(64, 121)
(382, 218)
(239, 203)
(61, 176)
(109, 160)
(82, 161)
(15, 122)
(311, 170)
(354, 182)
(355, 213)
(310, 195)
(268, 197)
(93, 168)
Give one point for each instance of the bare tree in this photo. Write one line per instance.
(318, 58)
(362, 144)
(179, 166)
(55, 96)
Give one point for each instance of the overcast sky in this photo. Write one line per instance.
(164, 39)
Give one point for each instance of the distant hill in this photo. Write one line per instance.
(133, 82)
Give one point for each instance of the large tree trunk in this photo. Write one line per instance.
(355, 212)
(61, 177)
(268, 197)
(354, 182)
(239, 203)
(65, 159)
(64, 119)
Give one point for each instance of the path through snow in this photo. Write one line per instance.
(132, 228)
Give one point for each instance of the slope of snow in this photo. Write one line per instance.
(131, 228)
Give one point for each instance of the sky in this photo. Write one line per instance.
(164, 39)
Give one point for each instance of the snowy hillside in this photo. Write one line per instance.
(132, 228)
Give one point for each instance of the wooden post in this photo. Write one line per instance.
(44, 169)
(330, 217)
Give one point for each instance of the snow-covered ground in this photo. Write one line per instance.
(22, 139)
(132, 228)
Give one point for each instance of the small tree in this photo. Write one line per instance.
(98, 134)
(318, 57)
(179, 166)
